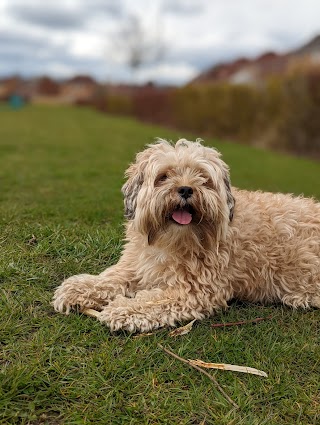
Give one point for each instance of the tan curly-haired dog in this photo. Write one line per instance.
(193, 243)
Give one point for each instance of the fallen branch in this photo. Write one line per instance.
(244, 322)
(226, 366)
(202, 371)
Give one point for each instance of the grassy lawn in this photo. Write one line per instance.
(60, 176)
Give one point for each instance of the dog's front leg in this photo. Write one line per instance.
(152, 309)
(89, 291)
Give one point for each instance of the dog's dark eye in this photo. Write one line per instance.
(162, 178)
(209, 183)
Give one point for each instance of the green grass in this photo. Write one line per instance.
(60, 176)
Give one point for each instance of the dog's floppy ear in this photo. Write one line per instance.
(131, 189)
(230, 199)
(135, 175)
(215, 159)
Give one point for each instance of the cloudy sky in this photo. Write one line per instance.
(181, 37)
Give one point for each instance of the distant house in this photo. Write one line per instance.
(254, 71)
(79, 89)
(8, 87)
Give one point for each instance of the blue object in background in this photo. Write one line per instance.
(16, 101)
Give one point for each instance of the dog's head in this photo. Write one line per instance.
(182, 188)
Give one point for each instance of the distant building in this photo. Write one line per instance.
(255, 71)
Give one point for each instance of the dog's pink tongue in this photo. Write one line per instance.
(182, 216)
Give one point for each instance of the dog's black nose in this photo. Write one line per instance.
(185, 191)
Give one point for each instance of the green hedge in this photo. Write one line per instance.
(282, 113)
(222, 110)
(119, 104)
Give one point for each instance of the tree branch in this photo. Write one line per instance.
(202, 371)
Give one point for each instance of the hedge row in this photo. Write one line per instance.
(282, 114)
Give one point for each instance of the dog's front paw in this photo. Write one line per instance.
(124, 319)
(127, 318)
(78, 292)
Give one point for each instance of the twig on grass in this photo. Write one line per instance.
(215, 382)
(90, 312)
(226, 366)
(183, 330)
(142, 335)
(244, 322)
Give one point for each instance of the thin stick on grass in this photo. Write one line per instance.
(226, 366)
(244, 322)
(212, 379)
(91, 312)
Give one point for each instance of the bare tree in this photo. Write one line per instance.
(138, 44)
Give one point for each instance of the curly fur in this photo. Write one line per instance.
(253, 246)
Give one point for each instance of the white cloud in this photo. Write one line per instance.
(87, 45)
